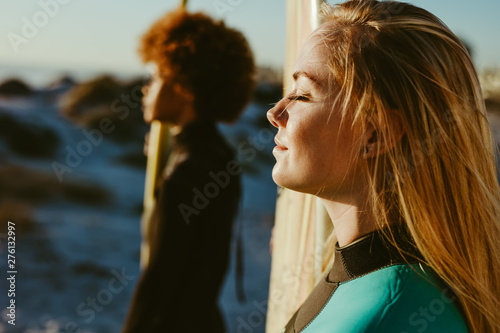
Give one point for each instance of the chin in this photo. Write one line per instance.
(297, 183)
(283, 181)
(277, 177)
(146, 116)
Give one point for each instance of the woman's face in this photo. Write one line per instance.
(313, 153)
(162, 102)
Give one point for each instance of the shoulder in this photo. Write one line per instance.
(208, 167)
(205, 150)
(397, 298)
(209, 153)
(418, 302)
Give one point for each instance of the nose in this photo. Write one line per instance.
(278, 115)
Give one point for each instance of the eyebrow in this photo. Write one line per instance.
(297, 74)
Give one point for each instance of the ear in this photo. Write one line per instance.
(379, 139)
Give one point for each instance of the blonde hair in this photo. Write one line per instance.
(398, 66)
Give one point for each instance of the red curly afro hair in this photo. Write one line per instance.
(212, 62)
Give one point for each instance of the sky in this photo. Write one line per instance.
(102, 35)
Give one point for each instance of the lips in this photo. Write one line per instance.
(279, 145)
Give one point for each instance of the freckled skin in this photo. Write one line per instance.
(318, 158)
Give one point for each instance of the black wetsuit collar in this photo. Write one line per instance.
(371, 252)
(365, 255)
(199, 129)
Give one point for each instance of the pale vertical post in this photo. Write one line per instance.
(301, 224)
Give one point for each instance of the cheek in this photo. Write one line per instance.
(312, 148)
(324, 150)
(160, 100)
(149, 99)
(317, 155)
(152, 94)
(160, 103)
(315, 136)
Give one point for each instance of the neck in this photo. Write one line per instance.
(176, 128)
(351, 218)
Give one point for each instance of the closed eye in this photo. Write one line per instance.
(304, 97)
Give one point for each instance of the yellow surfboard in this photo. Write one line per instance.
(302, 230)
(157, 156)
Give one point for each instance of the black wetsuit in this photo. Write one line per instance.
(196, 205)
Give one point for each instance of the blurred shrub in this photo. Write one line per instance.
(28, 139)
(18, 212)
(105, 97)
(64, 80)
(493, 105)
(490, 83)
(33, 186)
(14, 88)
(82, 99)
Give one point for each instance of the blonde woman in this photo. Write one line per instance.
(386, 124)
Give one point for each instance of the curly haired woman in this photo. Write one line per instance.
(205, 74)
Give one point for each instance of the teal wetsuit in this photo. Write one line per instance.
(372, 288)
